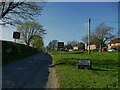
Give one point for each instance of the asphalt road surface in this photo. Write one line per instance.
(31, 72)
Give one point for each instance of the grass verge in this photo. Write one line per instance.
(104, 72)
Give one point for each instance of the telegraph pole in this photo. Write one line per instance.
(89, 36)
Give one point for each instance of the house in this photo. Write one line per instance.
(92, 47)
(75, 48)
(80, 46)
(115, 43)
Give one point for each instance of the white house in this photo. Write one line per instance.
(92, 47)
(115, 43)
(75, 47)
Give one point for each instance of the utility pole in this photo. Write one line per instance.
(89, 36)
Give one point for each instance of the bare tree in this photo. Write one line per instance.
(73, 43)
(81, 46)
(52, 45)
(70, 44)
(93, 40)
(101, 34)
(30, 29)
(15, 13)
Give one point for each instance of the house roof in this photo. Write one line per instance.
(116, 40)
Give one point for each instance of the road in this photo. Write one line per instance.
(31, 72)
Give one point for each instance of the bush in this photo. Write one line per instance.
(13, 51)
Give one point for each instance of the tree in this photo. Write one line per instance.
(93, 40)
(70, 44)
(52, 45)
(100, 36)
(30, 29)
(103, 33)
(16, 13)
(37, 42)
(81, 46)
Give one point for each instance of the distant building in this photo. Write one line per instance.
(80, 47)
(92, 47)
(115, 43)
(75, 48)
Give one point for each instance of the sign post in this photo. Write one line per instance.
(60, 52)
(16, 35)
(60, 47)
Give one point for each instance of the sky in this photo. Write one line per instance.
(67, 21)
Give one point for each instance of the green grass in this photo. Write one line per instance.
(104, 72)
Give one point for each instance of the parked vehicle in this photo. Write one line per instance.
(70, 50)
(112, 50)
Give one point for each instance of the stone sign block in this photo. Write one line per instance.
(84, 64)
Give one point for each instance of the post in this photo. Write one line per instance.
(15, 40)
(60, 52)
(89, 36)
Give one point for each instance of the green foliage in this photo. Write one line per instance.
(13, 51)
(37, 42)
(104, 72)
(52, 45)
(29, 30)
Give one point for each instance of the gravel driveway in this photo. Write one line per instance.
(31, 72)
